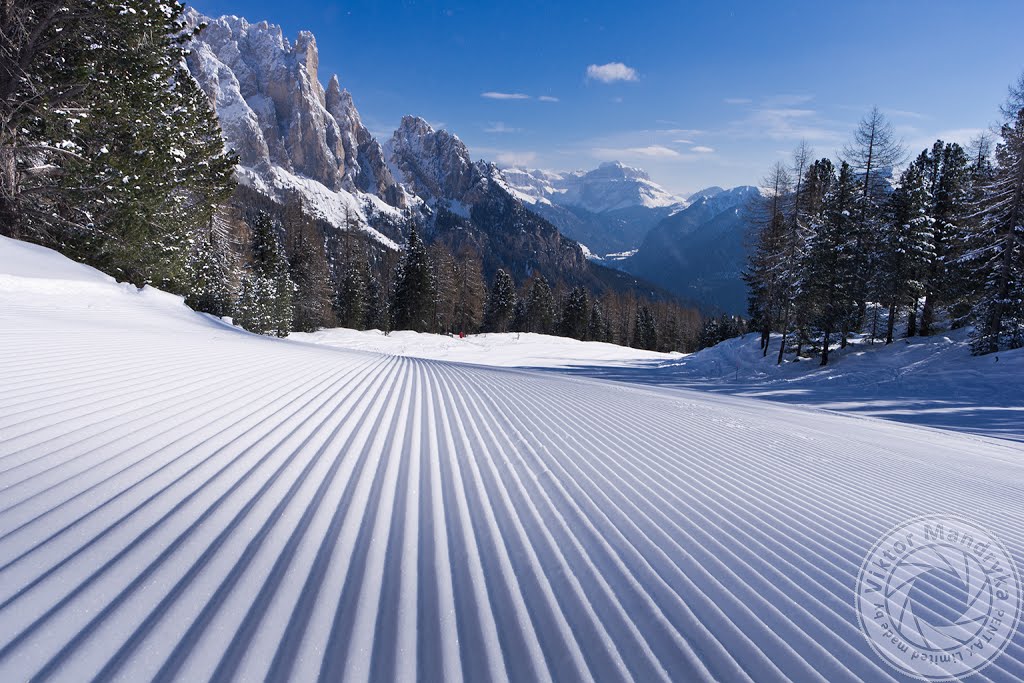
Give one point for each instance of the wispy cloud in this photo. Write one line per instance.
(683, 141)
(547, 98)
(611, 72)
(786, 100)
(491, 95)
(520, 159)
(702, 149)
(651, 152)
(737, 100)
(500, 127)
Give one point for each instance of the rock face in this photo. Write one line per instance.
(276, 114)
(471, 204)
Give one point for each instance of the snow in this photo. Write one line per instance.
(506, 349)
(184, 500)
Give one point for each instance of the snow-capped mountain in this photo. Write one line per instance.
(609, 187)
(699, 252)
(609, 208)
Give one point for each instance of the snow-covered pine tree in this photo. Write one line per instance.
(997, 258)
(948, 188)
(265, 302)
(501, 303)
(792, 243)
(872, 155)
(768, 257)
(122, 140)
(413, 302)
(830, 270)
(212, 273)
(905, 245)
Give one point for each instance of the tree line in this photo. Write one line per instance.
(845, 248)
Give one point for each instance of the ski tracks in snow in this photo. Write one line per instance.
(179, 501)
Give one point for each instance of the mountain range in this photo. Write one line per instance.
(294, 136)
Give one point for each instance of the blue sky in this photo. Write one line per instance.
(697, 93)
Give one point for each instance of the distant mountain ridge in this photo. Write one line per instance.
(698, 253)
(609, 209)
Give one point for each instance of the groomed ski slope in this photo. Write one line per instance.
(180, 500)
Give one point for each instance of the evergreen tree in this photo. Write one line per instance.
(831, 263)
(307, 266)
(212, 273)
(501, 303)
(575, 314)
(997, 259)
(413, 302)
(905, 245)
(540, 307)
(353, 297)
(265, 303)
(645, 334)
(871, 155)
(109, 150)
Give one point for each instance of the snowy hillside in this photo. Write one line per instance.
(182, 500)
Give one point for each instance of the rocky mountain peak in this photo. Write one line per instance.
(433, 163)
(276, 114)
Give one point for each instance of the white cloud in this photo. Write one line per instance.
(611, 72)
(683, 141)
(547, 98)
(651, 152)
(702, 149)
(500, 127)
(520, 159)
(736, 100)
(491, 95)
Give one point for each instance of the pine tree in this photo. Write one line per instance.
(501, 303)
(575, 317)
(831, 263)
(413, 303)
(212, 273)
(905, 246)
(540, 307)
(645, 334)
(997, 260)
(115, 155)
(308, 270)
(265, 303)
(872, 155)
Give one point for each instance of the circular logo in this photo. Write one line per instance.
(938, 598)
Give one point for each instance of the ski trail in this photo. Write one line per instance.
(183, 501)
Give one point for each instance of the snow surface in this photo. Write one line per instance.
(507, 349)
(183, 500)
